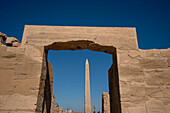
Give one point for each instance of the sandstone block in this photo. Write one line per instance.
(6, 81)
(153, 63)
(128, 58)
(150, 53)
(133, 94)
(26, 87)
(17, 102)
(34, 51)
(131, 73)
(156, 106)
(17, 50)
(6, 66)
(27, 71)
(137, 109)
(165, 53)
(158, 92)
(3, 37)
(168, 62)
(155, 53)
(3, 49)
(157, 77)
(15, 44)
(104, 36)
(11, 41)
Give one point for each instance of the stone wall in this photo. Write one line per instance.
(19, 80)
(144, 81)
(142, 77)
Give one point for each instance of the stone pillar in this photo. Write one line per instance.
(105, 102)
(87, 101)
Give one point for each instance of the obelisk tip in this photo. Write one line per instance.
(87, 61)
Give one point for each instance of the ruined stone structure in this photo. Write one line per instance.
(67, 111)
(10, 41)
(139, 80)
(87, 97)
(3, 37)
(105, 102)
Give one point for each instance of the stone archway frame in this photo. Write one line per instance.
(112, 72)
(39, 39)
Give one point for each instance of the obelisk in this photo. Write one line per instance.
(87, 100)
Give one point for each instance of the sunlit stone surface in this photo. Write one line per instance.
(143, 76)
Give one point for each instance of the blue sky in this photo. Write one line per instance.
(150, 17)
(69, 74)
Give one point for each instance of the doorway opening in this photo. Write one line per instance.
(113, 78)
(69, 73)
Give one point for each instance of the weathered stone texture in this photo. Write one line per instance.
(54, 106)
(17, 102)
(3, 37)
(105, 102)
(144, 81)
(11, 41)
(157, 77)
(169, 62)
(154, 63)
(101, 35)
(19, 83)
(141, 76)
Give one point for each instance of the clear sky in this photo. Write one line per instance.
(150, 17)
(69, 77)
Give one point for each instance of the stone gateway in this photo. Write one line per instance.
(139, 80)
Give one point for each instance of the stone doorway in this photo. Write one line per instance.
(45, 101)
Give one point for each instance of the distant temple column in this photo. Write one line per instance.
(87, 101)
(105, 102)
